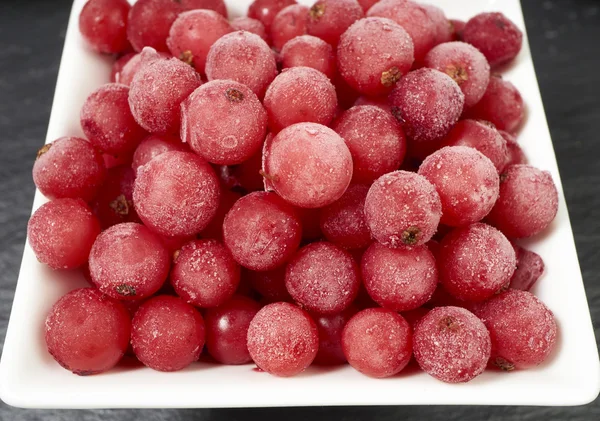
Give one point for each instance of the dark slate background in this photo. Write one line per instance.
(564, 37)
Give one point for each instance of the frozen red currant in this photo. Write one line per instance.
(224, 122)
(167, 334)
(125, 75)
(375, 139)
(329, 19)
(414, 18)
(527, 204)
(87, 332)
(227, 330)
(154, 145)
(330, 336)
(128, 262)
(176, 194)
(289, 23)
(103, 24)
(243, 57)
(444, 32)
(107, 121)
(282, 339)
(216, 5)
(300, 94)
(266, 10)
(343, 222)
(475, 262)
(515, 154)
(496, 36)
(308, 164)
(402, 209)
(377, 342)
(481, 136)
(244, 23)
(501, 105)
(149, 23)
(451, 344)
(157, 91)
(522, 328)
(366, 4)
(69, 167)
(62, 232)
(399, 279)
(322, 278)
(118, 65)
(309, 51)
(427, 103)
(466, 180)
(262, 231)
(463, 63)
(530, 267)
(193, 33)
(373, 54)
(114, 202)
(269, 284)
(204, 273)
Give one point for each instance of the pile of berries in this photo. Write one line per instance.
(303, 185)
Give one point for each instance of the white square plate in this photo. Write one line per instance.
(29, 377)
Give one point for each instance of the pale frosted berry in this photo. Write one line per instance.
(289, 23)
(329, 19)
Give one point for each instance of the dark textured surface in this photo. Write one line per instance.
(564, 37)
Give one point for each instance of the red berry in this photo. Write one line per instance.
(167, 334)
(373, 54)
(227, 330)
(242, 57)
(308, 164)
(522, 328)
(154, 145)
(114, 202)
(216, 5)
(343, 222)
(427, 103)
(244, 23)
(87, 332)
(475, 262)
(266, 10)
(128, 262)
(118, 65)
(451, 344)
(309, 51)
(481, 136)
(330, 336)
(530, 267)
(149, 23)
(322, 278)
(62, 232)
(377, 342)
(527, 204)
(125, 75)
(496, 36)
(329, 19)
(466, 180)
(402, 208)
(501, 105)
(157, 91)
(204, 273)
(270, 284)
(108, 122)
(366, 4)
(282, 339)
(375, 139)
(300, 94)
(289, 23)
(463, 63)
(444, 32)
(69, 167)
(515, 154)
(414, 18)
(399, 279)
(224, 122)
(103, 24)
(262, 231)
(176, 194)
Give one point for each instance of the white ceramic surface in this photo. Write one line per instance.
(29, 377)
